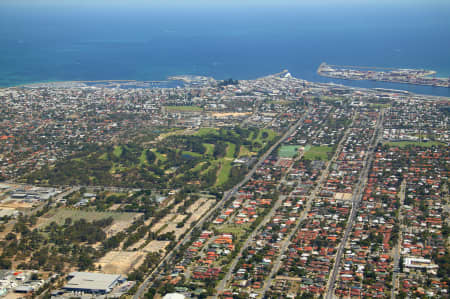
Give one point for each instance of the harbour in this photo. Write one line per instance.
(393, 75)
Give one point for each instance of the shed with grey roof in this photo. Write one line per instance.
(93, 283)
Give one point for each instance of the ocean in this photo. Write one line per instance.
(67, 42)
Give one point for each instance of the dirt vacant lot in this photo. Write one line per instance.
(16, 204)
(170, 221)
(343, 196)
(155, 246)
(121, 220)
(120, 262)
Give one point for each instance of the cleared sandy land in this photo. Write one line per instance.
(170, 221)
(197, 209)
(231, 114)
(121, 262)
(16, 205)
(172, 226)
(137, 245)
(165, 220)
(115, 207)
(117, 226)
(343, 196)
(148, 221)
(155, 246)
(12, 295)
(7, 211)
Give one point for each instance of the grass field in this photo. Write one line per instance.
(117, 168)
(183, 108)
(270, 135)
(224, 172)
(234, 229)
(230, 150)
(288, 151)
(378, 105)
(60, 215)
(198, 166)
(214, 163)
(209, 148)
(244, 151)
(159, 156)
(117, 151)
(143, 159)
(318, 153)
(205, 131)
(414, 143)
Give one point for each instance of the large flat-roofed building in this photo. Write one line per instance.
(420, 263)
(93, 283)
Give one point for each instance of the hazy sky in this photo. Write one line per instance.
(221, 2)
(382, 7)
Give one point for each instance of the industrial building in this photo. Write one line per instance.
(92, 283)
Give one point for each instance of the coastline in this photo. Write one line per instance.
(190, 80)
(408, 76)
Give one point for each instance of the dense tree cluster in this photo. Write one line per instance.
(174, 161)
(56, 246)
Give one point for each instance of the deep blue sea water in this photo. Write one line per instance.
(40, 43)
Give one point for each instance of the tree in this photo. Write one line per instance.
(151, 293)
(5, 264)
(10, 236)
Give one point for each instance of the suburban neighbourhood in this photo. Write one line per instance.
(267, 188)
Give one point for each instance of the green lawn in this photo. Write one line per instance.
(318, 153)
(270, 136)
(205, 131)
(234, 229)
(214, 163)
(198, 166)
(209, 148)
(288, 151)
(183, 108)
(117, 151)
(143, 158)
(159, 156)
(244, 151)
(230, 150)
(224, 172)
(117, 168)
(379, 105)
(414, 143)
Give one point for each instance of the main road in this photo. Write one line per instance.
(316, 190)
(399, 240)
(356, 200)
(227, 195)
(223, 283)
